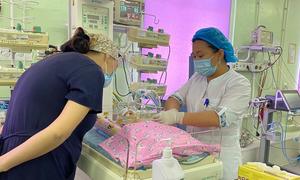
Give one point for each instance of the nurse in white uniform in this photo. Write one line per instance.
(215, 96)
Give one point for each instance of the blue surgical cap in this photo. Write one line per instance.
(216, 38)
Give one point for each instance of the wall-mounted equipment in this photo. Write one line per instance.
(148, 63)
(261, 36)
(93, 16)
(148, 38)
(129, 12)
(23, 41)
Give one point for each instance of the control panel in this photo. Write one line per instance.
(95, 18)
(250, 67)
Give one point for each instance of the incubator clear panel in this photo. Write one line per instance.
(130, 152)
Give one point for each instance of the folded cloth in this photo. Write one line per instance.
(147, 139)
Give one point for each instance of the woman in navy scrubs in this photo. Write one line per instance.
(53, 105)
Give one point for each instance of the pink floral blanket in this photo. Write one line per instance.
(147, 140)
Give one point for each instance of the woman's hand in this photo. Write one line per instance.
(171, 116)
(2, 165)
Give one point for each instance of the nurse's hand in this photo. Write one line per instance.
(171, 116)
(2, 167)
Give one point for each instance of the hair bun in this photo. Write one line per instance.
(80, 33)
(80, 42)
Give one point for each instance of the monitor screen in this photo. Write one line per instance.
(130, 10)
(93, 17)
(292, 98)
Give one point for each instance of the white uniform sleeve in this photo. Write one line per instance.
(180, 95)
(234, 103)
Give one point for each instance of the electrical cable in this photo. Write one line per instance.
(261, 84)
(116, 87)
(155, 20)
(270, 84)
(165, 72)
(263, 77)
(126, 80)
(279, 56)
(270, 64)
(290, 79)
(125, 73)
(275, 84)
(283, 145)
(257, 138)
(120, 38)
(288, 76)
(287, 79)
(126, 50)
(169, 53)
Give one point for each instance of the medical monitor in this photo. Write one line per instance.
(289, 98)
(128, 12)
(94, 16)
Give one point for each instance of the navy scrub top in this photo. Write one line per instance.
(37, 100)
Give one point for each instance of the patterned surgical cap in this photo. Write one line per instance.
(101, 43)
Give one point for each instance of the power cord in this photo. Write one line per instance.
(116, 86)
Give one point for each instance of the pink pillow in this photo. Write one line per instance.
(147, 140)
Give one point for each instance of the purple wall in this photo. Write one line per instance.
(181, 19)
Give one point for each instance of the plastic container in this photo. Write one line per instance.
(167, 168)
(260, 171)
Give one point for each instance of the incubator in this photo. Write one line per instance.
(128, 152)
(128, 156)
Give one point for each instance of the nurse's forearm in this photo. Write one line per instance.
(172, 103)
(36, 146)
(201, 119)
(47, 139)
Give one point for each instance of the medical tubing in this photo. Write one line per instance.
(125, 73)
(283, 145)
(169, 53)
(116, 86)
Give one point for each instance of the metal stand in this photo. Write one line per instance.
(264, 141)
(284, 100)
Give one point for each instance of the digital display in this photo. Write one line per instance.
(130, 10)
(93, 17)
(292, 98)
(92, 21)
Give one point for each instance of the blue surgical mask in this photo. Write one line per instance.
(108, 79)
(204, 67)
